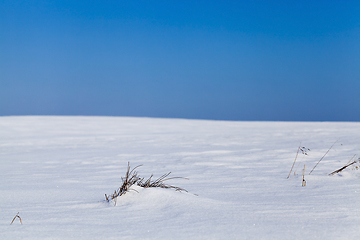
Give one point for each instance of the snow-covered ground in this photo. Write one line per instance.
(55, 171)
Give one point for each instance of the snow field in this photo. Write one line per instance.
(56, 170)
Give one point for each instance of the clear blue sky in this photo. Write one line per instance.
(228, 60)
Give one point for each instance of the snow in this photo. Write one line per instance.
(55, 171)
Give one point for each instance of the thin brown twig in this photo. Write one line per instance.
(16, 216)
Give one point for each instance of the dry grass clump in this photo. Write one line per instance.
(132, 178)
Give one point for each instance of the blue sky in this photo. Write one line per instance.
(225, 60)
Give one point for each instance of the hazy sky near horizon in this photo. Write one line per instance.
(226, 60)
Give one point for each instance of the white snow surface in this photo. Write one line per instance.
(55, 170)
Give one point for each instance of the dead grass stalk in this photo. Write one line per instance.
(16, 216)
(323, 156)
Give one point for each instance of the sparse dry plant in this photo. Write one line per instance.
(347, 165)
(302, 150)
